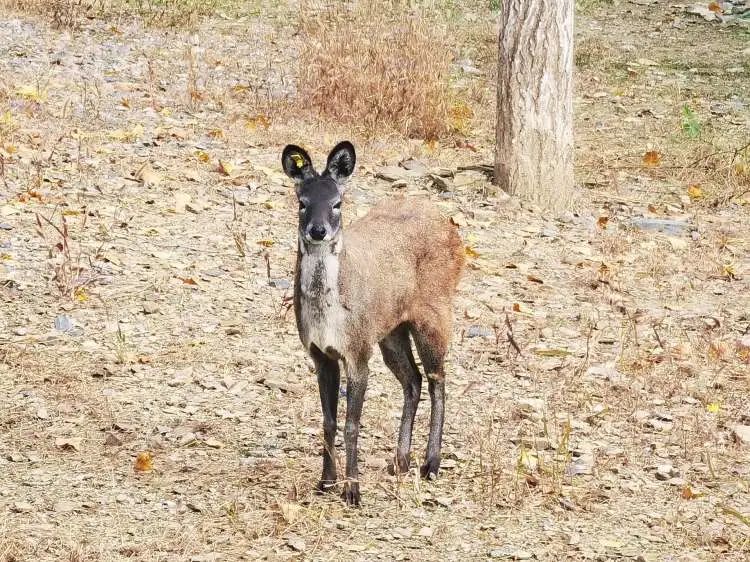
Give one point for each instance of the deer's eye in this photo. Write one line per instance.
(337, 205)
(301, 207)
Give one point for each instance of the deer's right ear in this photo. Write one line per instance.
(296, 163)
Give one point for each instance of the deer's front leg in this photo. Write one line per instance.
(356, 385)
(328, 385)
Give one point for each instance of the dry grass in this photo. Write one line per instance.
(377, 73)
(161, 13)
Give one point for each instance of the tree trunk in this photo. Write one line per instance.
(534, 155)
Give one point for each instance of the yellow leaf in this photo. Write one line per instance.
(258, 121)
(165, 111)
(202, 156)
(695, 191)
(266, 243)
(6, 119)
(144, 462)
(471, 252)
(31, 93)
(652, 158)
(688, 494)
(225, 167)
(729, 271)
(81, 295)
(127, 135)
(713, 408)
(269, 205)
(216, 134)
(5, 257)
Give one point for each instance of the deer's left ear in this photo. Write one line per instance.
(297, 164)
(341, 162)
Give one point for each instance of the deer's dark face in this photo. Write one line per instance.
(319, 210)
(319, 194)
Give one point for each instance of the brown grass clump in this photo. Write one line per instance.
(377, 70)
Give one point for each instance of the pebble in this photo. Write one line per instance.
(666, 472)
(282, 284)
(741, 434)
(20, 331)
(63, 323)
(479, 332)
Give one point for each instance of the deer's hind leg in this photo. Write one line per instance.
(431, 338)
(397, 355)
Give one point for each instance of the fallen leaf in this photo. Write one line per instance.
(695, 192)
(80, 294)
(534, 279)
(125, 102)
(652, 158)
(258, 121)
(202, 156)
(216, 133)
(147, 176)
(144, 462)
(188, 281)
(602, 222)
(471, 252)
(715, 7)
(225, 167)
(688, 493)
(128, 135)
(713, 408)
(266, 243)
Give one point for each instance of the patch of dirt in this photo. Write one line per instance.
(612, 435)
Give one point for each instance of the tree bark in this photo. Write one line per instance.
(534, 155)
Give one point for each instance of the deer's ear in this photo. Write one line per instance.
(296, 163)
(341, 161)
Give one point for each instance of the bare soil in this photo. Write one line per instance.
(599, 370)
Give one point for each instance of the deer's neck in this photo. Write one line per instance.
(321, 314)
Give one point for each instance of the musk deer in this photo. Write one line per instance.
(390, 277)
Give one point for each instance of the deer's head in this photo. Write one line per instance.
(319, 195)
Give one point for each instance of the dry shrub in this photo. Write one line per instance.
(378, 69)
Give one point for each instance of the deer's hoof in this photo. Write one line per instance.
(430, 468)
(351, 494)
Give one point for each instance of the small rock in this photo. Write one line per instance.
(16, 457)
(445, 501)
(111, 440)
(213, 443)
(22, 507)
(479, 332)
(399, 184)
(296, 542)
(440, 183)
(666, 472)
(741, 434)
(282, 284)
(426, 532)
(402, 532)
(150, 308)
(391, 173)
(63, 323)
(20, 331)
(414, 165)
(42, 414)
(702, 10)
(530, 407)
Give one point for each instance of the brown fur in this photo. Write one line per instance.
(400, 263)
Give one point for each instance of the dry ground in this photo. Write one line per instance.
(608, 437)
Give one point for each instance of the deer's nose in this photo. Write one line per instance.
(317, 232)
